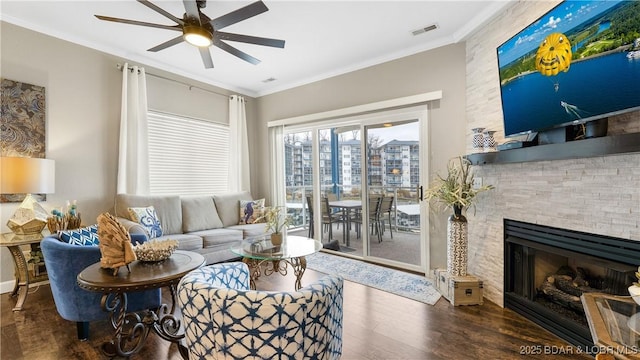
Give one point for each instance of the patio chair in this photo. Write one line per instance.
(386, 207)
(328, 218)
(374, 217)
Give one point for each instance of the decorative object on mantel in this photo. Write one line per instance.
(68, 220)
(115, 243)
(155, 250)
(478, 140)
(456, 191)
(276, 222)
(489, 142)
(634, 289)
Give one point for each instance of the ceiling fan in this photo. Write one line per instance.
(201, 31)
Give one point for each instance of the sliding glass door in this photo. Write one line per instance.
(392, 190)
(353, 183)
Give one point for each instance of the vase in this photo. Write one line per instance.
(276, 238)
(457, 243)
(478, 140)
(489, 142)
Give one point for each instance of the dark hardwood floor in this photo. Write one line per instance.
(377, 325)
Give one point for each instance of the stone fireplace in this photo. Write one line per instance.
(546, 269)
(597, 195)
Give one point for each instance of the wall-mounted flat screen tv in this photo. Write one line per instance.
(578, 62)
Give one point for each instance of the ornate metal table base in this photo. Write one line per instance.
(132, 329)
(299, 265)
(24, 278)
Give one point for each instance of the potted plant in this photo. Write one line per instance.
(634, 289)
(276, 221)
(456, 191)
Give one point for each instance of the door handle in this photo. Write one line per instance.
(420, 193)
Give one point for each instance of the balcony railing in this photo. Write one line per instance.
(405, 214)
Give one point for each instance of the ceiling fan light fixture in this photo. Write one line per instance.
(197, 36)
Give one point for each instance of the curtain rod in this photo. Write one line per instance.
(120, 67)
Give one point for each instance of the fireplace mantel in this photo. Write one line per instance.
(608, 145)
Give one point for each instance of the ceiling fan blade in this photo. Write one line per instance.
(167, 44)
(154, 7)
(206, 57)
(191, 7)
(233, 51)
(250, 39)
(141, 23)
(233, 17)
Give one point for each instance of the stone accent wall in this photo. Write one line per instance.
(599, 195)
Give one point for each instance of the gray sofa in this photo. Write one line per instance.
(204, 224)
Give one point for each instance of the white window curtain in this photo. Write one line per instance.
(276, 156)
(133, 158)
(239, 172)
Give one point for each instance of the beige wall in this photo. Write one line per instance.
(439, 69)
(83, 110)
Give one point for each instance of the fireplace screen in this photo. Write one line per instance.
(548, 269)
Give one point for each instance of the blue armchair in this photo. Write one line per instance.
(224, 319)
(64, 262)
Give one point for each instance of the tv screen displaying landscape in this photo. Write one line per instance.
(578, 62)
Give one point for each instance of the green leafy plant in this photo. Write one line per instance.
(456, 189)
(274, 218)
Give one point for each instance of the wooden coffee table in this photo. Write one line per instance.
(258, 250)
(131, 329)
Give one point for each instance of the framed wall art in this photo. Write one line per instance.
(22, 125)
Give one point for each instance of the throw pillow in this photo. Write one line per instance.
(251, 211)
(148, 218)
(86, 236)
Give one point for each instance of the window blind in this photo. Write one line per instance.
(187, 156)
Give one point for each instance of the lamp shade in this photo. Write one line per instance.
(22, 175)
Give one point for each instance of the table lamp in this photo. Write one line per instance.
(22, 175)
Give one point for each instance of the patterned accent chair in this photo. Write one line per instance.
(224, 319)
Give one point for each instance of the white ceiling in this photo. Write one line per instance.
(323, 38)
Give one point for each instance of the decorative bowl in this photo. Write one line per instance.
(155, 250)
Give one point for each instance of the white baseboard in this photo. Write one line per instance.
(7, 286)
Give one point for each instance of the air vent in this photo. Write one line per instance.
(424, 29)
(269, 80)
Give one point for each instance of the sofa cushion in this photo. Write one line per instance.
(199, 213)
(148, 218)
(250, 230)
(216, 237)
(168, 208)
(251, 211)
(85, 236)
(228, 207)
(187, 242)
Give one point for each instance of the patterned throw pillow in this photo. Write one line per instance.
(86, 236)
(148, 218)
(250, 211)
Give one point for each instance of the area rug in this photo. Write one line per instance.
(396, 282)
